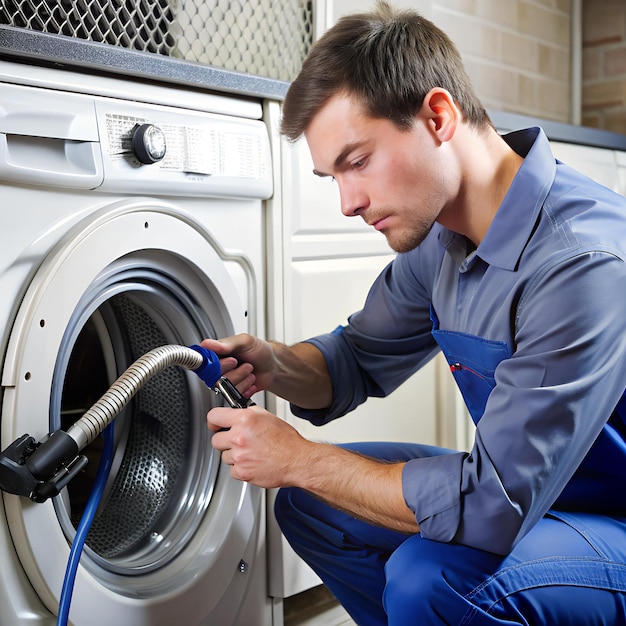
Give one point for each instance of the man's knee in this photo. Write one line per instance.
(413, 579)
(299, 514)
(430, 580)
(285, 511)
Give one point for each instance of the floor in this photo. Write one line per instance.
(315, 607)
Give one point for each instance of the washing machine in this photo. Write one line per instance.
(132, 216)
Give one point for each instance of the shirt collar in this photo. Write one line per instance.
(513, 223)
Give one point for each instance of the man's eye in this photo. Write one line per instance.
(358, 164)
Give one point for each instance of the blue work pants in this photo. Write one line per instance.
(570, 569)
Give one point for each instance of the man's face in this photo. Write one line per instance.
(394, 179)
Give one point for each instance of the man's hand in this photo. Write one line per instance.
(256, 444)
(247, 361)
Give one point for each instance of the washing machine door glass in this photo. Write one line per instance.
(173, 528)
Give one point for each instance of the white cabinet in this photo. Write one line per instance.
(608, 167)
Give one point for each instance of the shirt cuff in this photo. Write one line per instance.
(431, 488)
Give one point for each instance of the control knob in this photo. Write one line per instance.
(149, 143)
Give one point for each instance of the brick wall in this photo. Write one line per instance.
(604, 64)
(516, 51)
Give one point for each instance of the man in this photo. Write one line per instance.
(511, 264)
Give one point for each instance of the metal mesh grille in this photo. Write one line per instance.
(262, 37)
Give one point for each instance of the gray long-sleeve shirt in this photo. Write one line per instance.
(546, 288)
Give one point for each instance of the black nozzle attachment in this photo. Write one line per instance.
(40, 471)
(59, 449)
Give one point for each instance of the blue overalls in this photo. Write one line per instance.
(570, 568)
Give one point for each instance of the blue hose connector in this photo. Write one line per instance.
(210, 371)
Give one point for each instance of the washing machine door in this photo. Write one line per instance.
(175, 540)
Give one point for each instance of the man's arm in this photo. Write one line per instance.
(362, 487)
(296, 373)
(301, 375)
(266, 451)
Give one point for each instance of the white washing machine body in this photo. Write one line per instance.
(103, 258)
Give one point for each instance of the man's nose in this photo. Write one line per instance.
(353, 198)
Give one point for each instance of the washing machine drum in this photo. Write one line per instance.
(164, 462)
(175, 538)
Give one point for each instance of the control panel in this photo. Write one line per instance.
(77, 141)
(166, 150)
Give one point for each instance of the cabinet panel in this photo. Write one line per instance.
(323, 294)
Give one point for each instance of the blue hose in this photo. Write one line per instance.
(104, 467)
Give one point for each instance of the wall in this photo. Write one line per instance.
(604, 64)
(517, 52)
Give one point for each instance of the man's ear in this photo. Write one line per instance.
(442, 113)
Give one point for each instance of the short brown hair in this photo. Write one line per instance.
(389, 60)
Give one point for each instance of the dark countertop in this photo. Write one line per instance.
(32, 46)
(557, 131)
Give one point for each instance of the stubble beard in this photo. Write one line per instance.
(410, 238)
